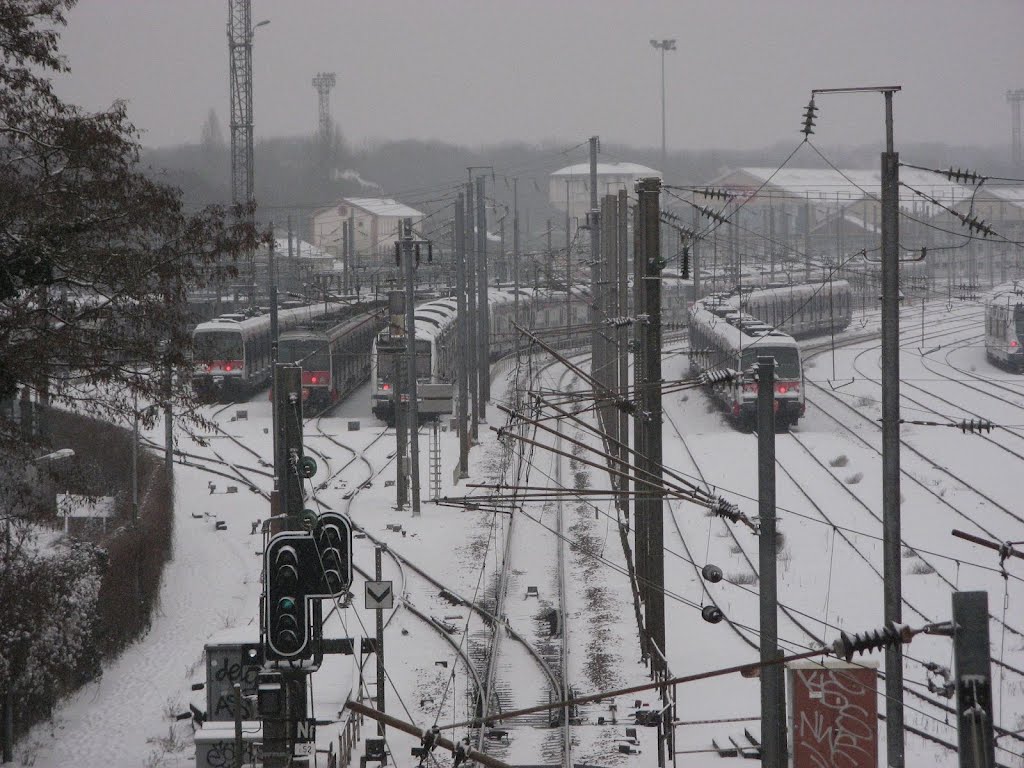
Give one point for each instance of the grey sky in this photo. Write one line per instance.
(482, 72)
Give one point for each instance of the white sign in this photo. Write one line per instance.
(379, 595)
(73, 505)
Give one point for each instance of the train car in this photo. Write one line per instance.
(435, 355)
(723, 338)
(802, 310)
(335, 356)
(231, 353)
(1004, 326)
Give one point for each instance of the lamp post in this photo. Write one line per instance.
(663, 45)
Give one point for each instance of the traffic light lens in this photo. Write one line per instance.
(286, 604)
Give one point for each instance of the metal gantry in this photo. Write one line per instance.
(240, 59)
(1015, 98)
(324, 82)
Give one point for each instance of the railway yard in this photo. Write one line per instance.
(532, 607)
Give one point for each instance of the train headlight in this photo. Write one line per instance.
(227, 367)
(1013, 343)
(312, 379)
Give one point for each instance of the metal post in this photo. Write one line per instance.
(483, 321)
(772, 751)
(169, 426)
(596, 300)
(378, 551)
(639, 370)
(396, 300)
(353, 257)
(891, 556)
(649, 192)
(288, 445)
(515, 257)
(471, 315)
(695, 255)
(135, 461)
(622, 334)
(973, 676)
(462, 331)
(568, 261)
(610, 305)
(8, 756)
(412, 411)
(238, 726)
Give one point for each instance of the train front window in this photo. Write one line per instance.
(217, 345)
(787, 360)
(387, 360)
(1018, 321)
(311, 355)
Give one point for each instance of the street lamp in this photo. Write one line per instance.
(663, 45)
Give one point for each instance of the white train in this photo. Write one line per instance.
(722, 338)
(231, 353)
(1004, 326)
(800, 310)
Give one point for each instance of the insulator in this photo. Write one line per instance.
(809, 114)
(873, 640)
(711, 573)
(717, 376)
(726, 509)
(398, 253)
(712, 614)
(684, 263)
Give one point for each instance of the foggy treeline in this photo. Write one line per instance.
(296, 175)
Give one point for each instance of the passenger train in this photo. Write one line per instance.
(334, 353)
(723, 338)
(1004, 326)
(562, 321)
(802, 310)
(231, 353)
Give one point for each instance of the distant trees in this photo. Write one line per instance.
(96, 255)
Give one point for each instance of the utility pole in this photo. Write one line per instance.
(639, 372)
(515, 256)
(408, 263)
(973, 678)
(649, 256)
(695, 255)
(471, 293)
(396, 303)
(892, 555)
(377, 552)
(483, 321)
(353, 261)
(594, 225)
(773, 749)
(622, 335)
(568, 262)
(610, 305)
(462, 332)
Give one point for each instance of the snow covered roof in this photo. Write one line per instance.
(824, 186)
(608, 169)
(1012, 195)
(300, 248)
(384, 206)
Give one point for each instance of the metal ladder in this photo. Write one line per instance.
(435, 462)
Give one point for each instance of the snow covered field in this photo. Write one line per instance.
(829, 499)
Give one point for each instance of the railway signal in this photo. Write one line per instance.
(300, 567)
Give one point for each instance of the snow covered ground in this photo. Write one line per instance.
(829, 499)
